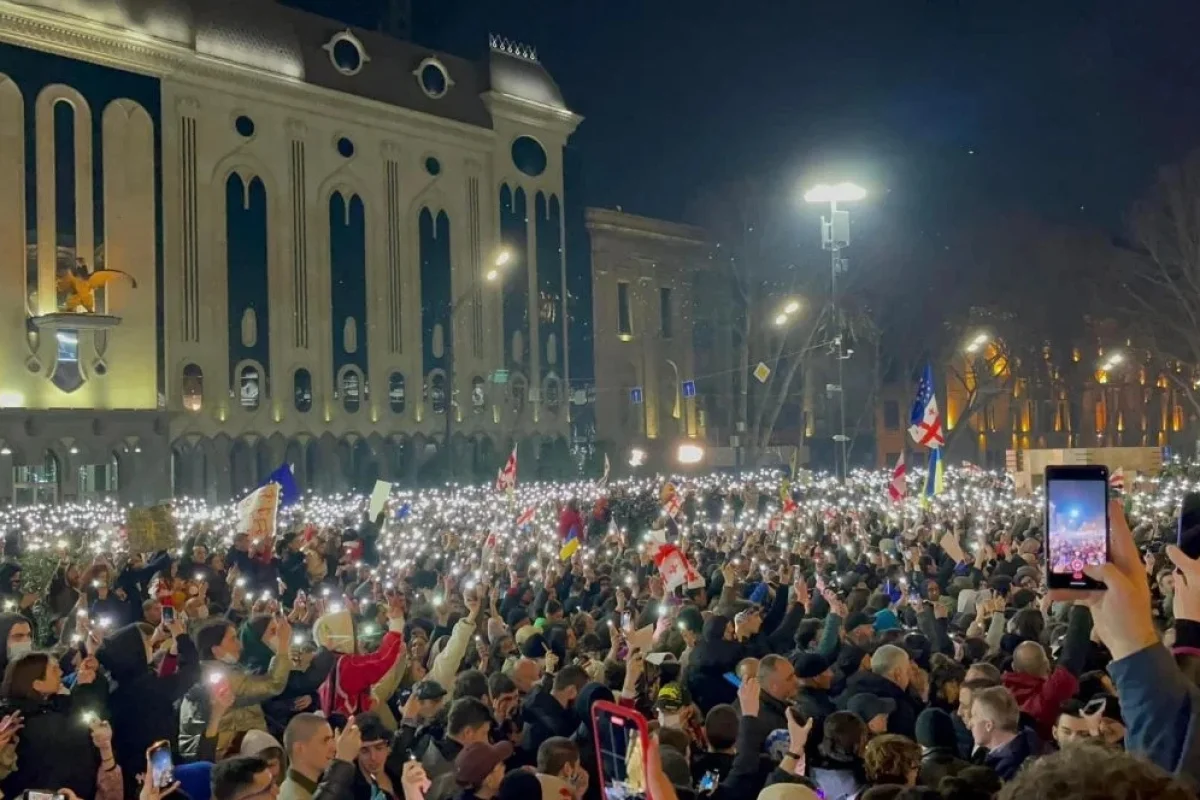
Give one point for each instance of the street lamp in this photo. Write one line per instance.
(977, 342)
(501, 260)
(792, 307)
(781, 320)
(835, 235)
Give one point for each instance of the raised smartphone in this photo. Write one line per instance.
(1189, 525)
(1077, 525)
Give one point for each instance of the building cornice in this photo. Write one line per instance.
(87, 40)
(527, 112)
(620, 223)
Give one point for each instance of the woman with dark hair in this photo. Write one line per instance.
(55, 747)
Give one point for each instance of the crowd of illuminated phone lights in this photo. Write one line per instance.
(416, 519)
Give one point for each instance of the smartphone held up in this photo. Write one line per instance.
(1077, 525)
(1188, 536)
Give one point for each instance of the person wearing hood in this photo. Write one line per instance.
(347, 690)
(939, 747)
(55, 746)
(550, 713)
(584, 736)
(718, 652)
(889, 677)
(220, 650)
(311, 667)
(16, 638)
(837, 768)
(996, 728)
(142, 703)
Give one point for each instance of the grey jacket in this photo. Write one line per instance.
(336, 784)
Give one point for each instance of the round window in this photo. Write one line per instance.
(244, 126)
(529, 156)
(345, 147)
(433, 166)
(434, 79)
(346, 53)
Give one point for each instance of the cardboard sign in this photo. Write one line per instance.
(641, 639)
(256, 513)
(379, 496)
(149, 530)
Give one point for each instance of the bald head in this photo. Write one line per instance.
(525, 674)
(1030, 658)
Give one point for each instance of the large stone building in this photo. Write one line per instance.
(645, 277)
(311, 214)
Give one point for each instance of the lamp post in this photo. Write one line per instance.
(835, 235)
(493, 276)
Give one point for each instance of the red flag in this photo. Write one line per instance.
(526, 517)
(506, 480)
(897, 486)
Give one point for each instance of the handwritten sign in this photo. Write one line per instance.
(256, 513)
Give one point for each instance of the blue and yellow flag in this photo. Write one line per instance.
(935, 477)
(571, 544)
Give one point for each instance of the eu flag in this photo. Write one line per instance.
(289, 492)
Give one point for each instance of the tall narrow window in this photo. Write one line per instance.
(624, 312)
(250, 388)
(193, 388)
(351, 391)
(302, 390)
(664, 310)
(396, 399)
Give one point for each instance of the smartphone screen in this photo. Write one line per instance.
(168, 614)
(622, 739)
(1076, 524)
(1189, 525)
(162, 768)
(733, 679)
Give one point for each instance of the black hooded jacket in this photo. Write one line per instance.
(6, 623)
(584, 736)
(708, 663)
(143, 704)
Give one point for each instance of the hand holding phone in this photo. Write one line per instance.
(1188, 529)
(1077, 525)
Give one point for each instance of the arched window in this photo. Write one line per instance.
(396, 398)
(250, 387)
(437, 393)
(518, 392)
(478, 394)
(302, 390)
(552, 389)
(351, 391)
(193, 388)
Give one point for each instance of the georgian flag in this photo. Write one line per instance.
(925, 423)
(897, 486)
(526, 516)
(506, 479)
(1116, 481)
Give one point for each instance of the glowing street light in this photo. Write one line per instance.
(637, 457)
(977, 342)
(781, 320)
(690, 454)
(792, 307)
(836, 193)
(503, 257)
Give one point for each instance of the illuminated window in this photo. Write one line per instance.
(67, 375)
(302, 390)
(250, 389)
(396, 398)
(478, 394)
(1177, 418)
(437, 393)
(193, 388)
(351, 391)
(624, 311)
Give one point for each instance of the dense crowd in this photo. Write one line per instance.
(786, 641)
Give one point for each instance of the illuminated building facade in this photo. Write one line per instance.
(646, 274)
(310, 214)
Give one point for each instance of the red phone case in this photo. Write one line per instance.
(619, 715)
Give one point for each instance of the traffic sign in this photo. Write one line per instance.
(635, 395)
(689, 388)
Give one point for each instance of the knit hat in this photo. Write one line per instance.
(868, 706)
(809, 665)
(477, 760)
(935, 728)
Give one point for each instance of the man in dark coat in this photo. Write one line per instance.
(142, 703)
(551, 713)
(891, 672)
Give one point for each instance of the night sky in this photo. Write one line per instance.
(1059, 109)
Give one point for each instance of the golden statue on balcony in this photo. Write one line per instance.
(79, 284)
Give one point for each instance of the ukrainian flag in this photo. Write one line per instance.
(571, 544)
(935, 478)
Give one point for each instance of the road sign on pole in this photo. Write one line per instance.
(689, 388)
(635, 395)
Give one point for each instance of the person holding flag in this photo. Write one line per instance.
(897, 486)
(570, 529)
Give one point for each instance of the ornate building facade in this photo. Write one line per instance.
(339, 248)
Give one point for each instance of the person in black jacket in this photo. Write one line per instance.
(55, 746)
(717, 653)
(891, 672)
(814, 700)
(551, 713)
(939, 747)
(142, 703)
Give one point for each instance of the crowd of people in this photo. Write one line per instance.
(822, 641)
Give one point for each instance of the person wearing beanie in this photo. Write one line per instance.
(939, 747)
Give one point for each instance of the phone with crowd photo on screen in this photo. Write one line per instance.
(162, 767)
(1188, 537)
(622, 738)
(1077, 525)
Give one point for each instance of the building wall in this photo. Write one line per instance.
(297, 252)
(645, 256)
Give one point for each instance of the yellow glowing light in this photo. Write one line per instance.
(690, 454)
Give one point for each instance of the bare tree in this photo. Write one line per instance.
(1161, 274)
